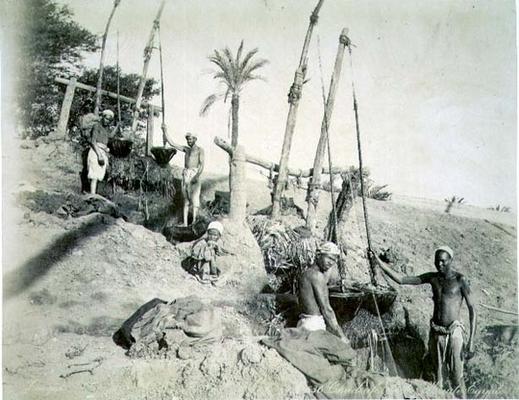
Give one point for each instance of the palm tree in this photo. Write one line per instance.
(233, 72)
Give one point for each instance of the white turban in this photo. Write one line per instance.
(193, 135)
(329, 248)
(446, 249)
(216, 226)
(108, 113)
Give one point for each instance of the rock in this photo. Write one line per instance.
(251, 355)
(246, 264)
(27, 144)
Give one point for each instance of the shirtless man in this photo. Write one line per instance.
(193, 168)
(317, 313)
(449, 289)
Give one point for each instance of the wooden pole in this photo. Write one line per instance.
(149, 129)
(119, 117)
(501, 310)
(238, 206)
(88, 88)
(313, 193)
(162, 94)
(65, 108)
(303, 173)
(293, 99)
(101, 62)
(147, 56)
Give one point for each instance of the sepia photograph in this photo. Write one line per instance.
(259, 199)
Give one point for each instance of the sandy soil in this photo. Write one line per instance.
(69, 284)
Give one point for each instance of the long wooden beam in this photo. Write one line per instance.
(303, 173)
(147, 56)
(313, 196)
(294, 96)
(79, 85)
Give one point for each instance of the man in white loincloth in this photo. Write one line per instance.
(317, 313)
(193, 168)
(97, 159)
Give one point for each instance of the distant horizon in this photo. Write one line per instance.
(253, 174)
(436, 84)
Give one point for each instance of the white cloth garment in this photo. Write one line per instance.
(311, 322)
(96, 171)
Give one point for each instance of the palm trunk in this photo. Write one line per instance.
(235, 106)
(101, 63)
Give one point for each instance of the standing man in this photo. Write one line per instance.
(317, 313)
(193, 168)
(86, 123)
(449, 289)
(97, 159)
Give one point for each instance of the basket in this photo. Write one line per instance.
(120, 147)
(163, 155)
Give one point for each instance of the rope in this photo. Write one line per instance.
(334, 210)
(161, 81)
(392, 365)
(359, 150)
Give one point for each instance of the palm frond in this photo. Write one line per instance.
(253, 77)
(227, 93)
(233, 72)
(208, 103)
(231, 69)
(247, 58)
(253, 67)
(238, 55)
(225, 68)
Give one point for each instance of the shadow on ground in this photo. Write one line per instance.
(31, 271)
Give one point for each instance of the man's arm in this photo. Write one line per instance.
(170, 140)
(320, 289)
(93, 144)
(465, 291)
(395, 276)
(201, 160)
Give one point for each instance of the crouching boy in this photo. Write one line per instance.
(205, 251)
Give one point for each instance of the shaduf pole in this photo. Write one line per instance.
(101, 63)
(293, 99)
(315, 183)
(147, 57)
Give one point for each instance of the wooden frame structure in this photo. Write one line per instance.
(238, 175)
(73, 84)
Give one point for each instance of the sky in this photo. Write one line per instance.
(435, 83)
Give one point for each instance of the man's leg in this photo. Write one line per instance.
(93, 186)
(185, 213)
(195, 197)
(186, 202)
(84, 171)
(456, 363)
(205, 271)
(435, 351)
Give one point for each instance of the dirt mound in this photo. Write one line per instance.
(231, 369)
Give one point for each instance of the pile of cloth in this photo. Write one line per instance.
(327, 362)
(178, 327)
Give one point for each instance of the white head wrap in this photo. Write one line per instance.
(216, 226)
(446, 249)
(108, 113)
(329, 248)
(191, 134)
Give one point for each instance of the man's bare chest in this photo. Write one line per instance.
(445, 288)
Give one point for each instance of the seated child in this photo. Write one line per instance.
(205, 250)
